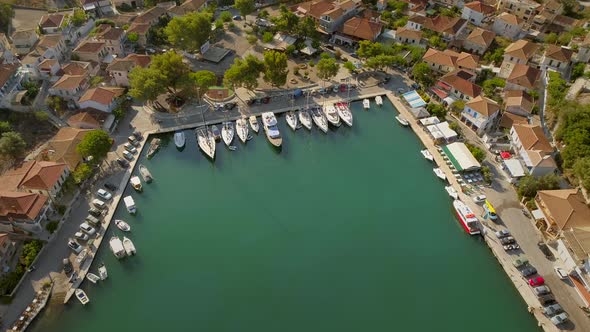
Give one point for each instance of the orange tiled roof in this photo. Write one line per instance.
(69, 82)
(362, 28)
(129, 62)
(83, 117)
(558, 53)
(102, 95)
(90, 47)
(509, 18)
(62, 147)
(444, 24)
(481, 37)
(519, 98)
(51, 21)
(521, 49)
(7, 70)
(462, 85)
(524, 76)
(483, 105)
(532, 137)
(567, 207)
(481, 7)
(19, 205)
(38, 175)
(508, 120)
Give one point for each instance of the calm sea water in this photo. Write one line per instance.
(349, 231)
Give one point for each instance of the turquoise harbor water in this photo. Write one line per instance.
(349, 231)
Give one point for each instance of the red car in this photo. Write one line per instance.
(538, 281)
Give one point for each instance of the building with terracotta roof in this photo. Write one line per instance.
(151, 16)
(448, 27)
(525, 10)
(48, 47)
(23, 212)
(48, 68)
(477, 12)
(415, 22)
(7, 251)
(40, 177)
(90, 50)
(142, 30)
(51, 23)
(81, 68)
(447, 60)
(97, 8)
(104, 99)
(119, 69)
(459, 87)
(534, 148)
(507, 120)
(523, 77)
(330, 15)
(84, 120)
(70, 87)
(187, 7)
(518, 102)
(479, 40)
(113, 37)
(62, 147)
(23, 40)
(508, 25)
(356, 29)
(408, 36)
(521, 51)
(9, 78)
(562, 209)
(480, 114)
(557, 57)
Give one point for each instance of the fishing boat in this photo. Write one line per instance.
(122, 225)
(379, 101)
(254, 123)
(242, 129)
(81, 296)
(145, 174)
(269, 122)
(179, 139)
(402, 120)
(227, 133)
(332, 115)
(154, 146)
(366, 104)
(136, 183)
(344, 113)
(93, 278)
(102, 271)
(206, 141)
(466, 217)
(292, 120)
(439, 172)
(128, 246)
(452, 192)
(216, 133)
(305, 119)
(427, 155)
(319, 119)
(130, 204)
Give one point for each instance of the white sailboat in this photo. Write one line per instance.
(366, 104)
(439, 172)
(269, 122)
(427, 155)
(332, 115)
(319, 119)
(242, 129)
(254, 123)
(93, 278)
(102, 271)
(227, 133)
(344, 113)
(128, 246)
(81, 296)
(206, 141)
(452, 192)
(305, 119)
(379, 101)
(179, 139)
(292, 120)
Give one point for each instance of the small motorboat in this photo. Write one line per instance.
(117, 247)
(452, 192)
(93, 278)
(102, 271)
(439, 172)
(305, 119)
(179, 139)
(130, 204)
(128, 246)
(122, 225)
(379, 101)
(227, 133)
(366, 104)
(154, 147)
(216, 133)
(81, 296)
(427, 155)
(242, 129)
(402, 120)
(145, 174)
(136, 183)
(254, 123)
(292, 120)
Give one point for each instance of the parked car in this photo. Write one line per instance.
(415, 86)
(81, 236)
(87, 228)
(237, 18)
(559, 319)
(130, 148)
(547, 299)
(479, 198)
(528, 271)
(507, 240)
(67, 265)
(104, 194)
(131, 139)
(110, 186)
(502, 233)
(99, 204)
(138, 135)
(561, 273)
(541, 290)
(520, 262)
(545, 249)
(123, 163)
(127, 155)
(552, 309)
(92, 220)
(354, 55)
(94, 212)
(75, 246)
(537, 281)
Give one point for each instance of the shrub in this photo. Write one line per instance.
(52, 226)
(477, 153)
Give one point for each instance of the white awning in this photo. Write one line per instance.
(429, 121)
(514, 168)
(461, 157)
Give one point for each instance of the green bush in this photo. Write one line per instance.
(52, 226)
(30, 251)
(477, 153)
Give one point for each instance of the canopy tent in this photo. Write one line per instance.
(442, 130)
(514, 168)
(505, 155)
(414, 99)
(460, 156)
(419, 112)
(429, 121)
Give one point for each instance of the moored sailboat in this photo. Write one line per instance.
(179, 139)
(227, 133)
(319, 119)
(305, 119)
(344, 113)
(136, 183)
(254, 123)
(332, 115)
(366, 104)
(145, 174)
(154, 147)
(292, 120)
(206, 141)
(128, 246)
(452, 192)
(379, 101)
(402, 120)
(439, 173)
(427, 155)
(242, 129)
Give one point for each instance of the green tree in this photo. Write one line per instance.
(146, 84)
(30, 251)
(95, 143)
(287, 21)
(529, 185)
(203, 80)
(307, 28)
(578, 70)
(327, 68)
(267, 37)
(96, 80)
(368, 49)
(6, 15)
(41, 116)
(133, 37)
(350, 66)
(275, 68)
(437, 110)
(189, 32)
(437, 42)
(173, 70)
(252, 39)
(79, 17)
(457, 106)
(423, 74)
(551, 38)
(225, 16)
(564, 38)
(557, 89)
(496, 56)
(82, 172)
(582, 171)
(5, 127)
(12, 145)
(489, 86)
(244, 73)
(263, 14)
(477, 152)
(245, 7)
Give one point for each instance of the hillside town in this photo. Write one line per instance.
(83, 82)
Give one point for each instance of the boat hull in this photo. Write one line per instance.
(457, 205)
(305, 119)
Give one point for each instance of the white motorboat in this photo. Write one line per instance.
(145, 173)
(130, 204)
(128, 246)
(402, 120)
(344, 113)
(136, 183)
(117, 248)
(366, 104)
(379, 101)
(242, 129)
(102, 271)
(319, 119)
(206, 141)
(154, 147)
(332, 115)
(215, 132)
(269, 123)
(452, 192)
(292, 120)
(122, 225)
(439, 172)
(81, 296)
(254, 123)
(179, 139)
(305, 119)
(93, 278)
(227, 133)
(427, 155)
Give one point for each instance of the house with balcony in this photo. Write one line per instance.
(22, 212)
(356, 29)
(519, 52)
(562, 210)
(114, 38)
(7, 251)
(524, 10)
(508, 25)
(478, 13)
(533, 147)
(330, 15)
(448, 61)
(523, 77)
(478, 41)
(408, 36)
(24, 40)
(480, 114)
(48, 47)
(70, 87)
(557, 57)
(457, 85)
(119, 69)
(92, 51)
(104, 99)
(39, 177)
(52, 23)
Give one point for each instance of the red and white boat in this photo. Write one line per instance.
(468, 219)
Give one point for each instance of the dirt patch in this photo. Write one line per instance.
(584, 98)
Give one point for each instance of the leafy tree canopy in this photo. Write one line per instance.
(146, 84)
(423, 74)
(95, 143)
(12, 145)
(529, 185)
(189, 32)
(327, 68)
(6, 15)
(245, 7)
(203, 80)
(275, 68)
(244, 73)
